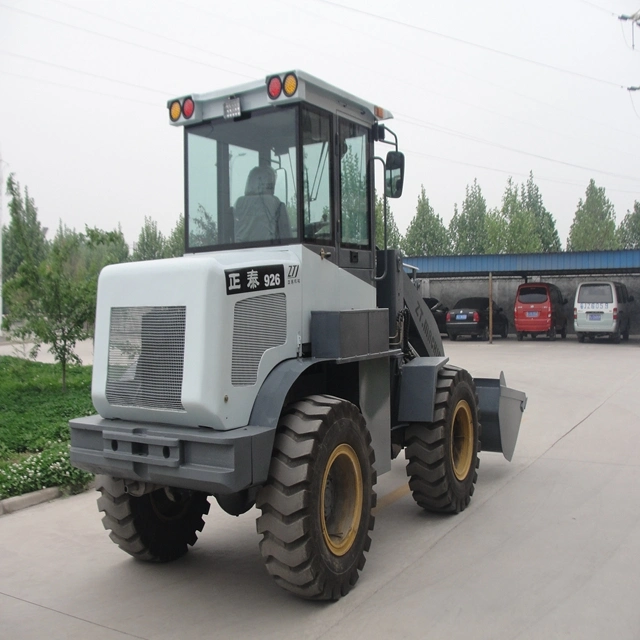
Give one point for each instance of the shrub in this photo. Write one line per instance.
(48, 468)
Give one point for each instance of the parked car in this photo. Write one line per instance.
(439, 311)
(470, 317)
(602, 309)
(539, 310)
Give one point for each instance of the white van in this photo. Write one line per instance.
(602, 309)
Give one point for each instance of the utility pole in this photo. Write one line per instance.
(635, 19)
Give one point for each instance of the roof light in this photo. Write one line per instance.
(175, 110)
(274, 87)
(378, 112)
(188, 107)
(290, 84)
(232, 108)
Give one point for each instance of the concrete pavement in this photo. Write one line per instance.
(548, 548)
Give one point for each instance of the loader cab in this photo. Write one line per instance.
(282, 162)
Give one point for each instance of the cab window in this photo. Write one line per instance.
(354, 185)
(316, 176)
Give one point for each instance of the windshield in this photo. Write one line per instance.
(241, 181)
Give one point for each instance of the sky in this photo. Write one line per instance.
(479, 90)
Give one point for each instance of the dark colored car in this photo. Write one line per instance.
(470, 317)
(439, 312)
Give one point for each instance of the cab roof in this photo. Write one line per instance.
(233, 101)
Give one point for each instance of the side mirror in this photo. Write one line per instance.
(394, 174)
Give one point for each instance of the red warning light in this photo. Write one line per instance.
(274, 87)
(188, 107)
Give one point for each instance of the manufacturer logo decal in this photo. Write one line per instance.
(254, 279)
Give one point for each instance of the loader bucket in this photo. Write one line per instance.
(501, 411)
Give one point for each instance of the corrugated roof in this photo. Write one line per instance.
(567, 263)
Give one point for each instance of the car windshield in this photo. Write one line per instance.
(472, 303)
(531, 295)
(241, 181)
(595, 293)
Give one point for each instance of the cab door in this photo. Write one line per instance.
(355, 193)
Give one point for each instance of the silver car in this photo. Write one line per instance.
(602, 309)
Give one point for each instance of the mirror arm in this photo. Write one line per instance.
(384, 216)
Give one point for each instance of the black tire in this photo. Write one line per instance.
(563, 332)
(615, 337)
(157, 526)
(552, 333)
(316, 504)
(581, 337)
(625, 334)
(505, 331)
(520, 336)
(443, 455)
(453, 337)
(534, 336)
(484, 336)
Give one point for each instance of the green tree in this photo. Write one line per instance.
(174, 244)
(497, 229)
(628, 233)
(354, 199)
(467, 229)
(594, 224)
(426, 234)
(53, 302)
(24, 238)
(394, 237)
(544, 221)
(522, 233)
(109, 247)
(151, 242)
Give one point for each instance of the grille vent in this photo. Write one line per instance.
(146, 357)
(259, 324)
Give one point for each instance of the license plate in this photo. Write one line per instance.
(461, 316)
(594, 316)
(532, 314)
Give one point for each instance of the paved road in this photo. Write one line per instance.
(549, 547)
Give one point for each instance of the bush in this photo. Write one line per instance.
(48, 468)
(34, 430)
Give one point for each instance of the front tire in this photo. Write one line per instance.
(443, 455)
(155, 527)
(316, 504)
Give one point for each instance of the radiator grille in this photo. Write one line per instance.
(146, 357)
(259, 324)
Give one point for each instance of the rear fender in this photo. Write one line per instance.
(501, 411)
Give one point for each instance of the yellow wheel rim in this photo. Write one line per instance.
(462, 440)
(341, 500)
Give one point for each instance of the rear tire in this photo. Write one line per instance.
(615, 337)
(581, 337)
(453, 337)
(563, 332)
(552, 333)
(443, 455)
(484, 336)
(520, 336)
(316, 504)
(505, 331)
(157, 526)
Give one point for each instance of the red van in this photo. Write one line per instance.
(539, 309)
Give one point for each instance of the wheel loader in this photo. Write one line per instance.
(284, 360)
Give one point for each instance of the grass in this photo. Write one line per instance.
(34, 430)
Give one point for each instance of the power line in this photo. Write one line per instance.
(156, 35)
(412, 84)
(471, 44)
(82, 89)
(86, 73)
(459, 134)
(123, 41)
